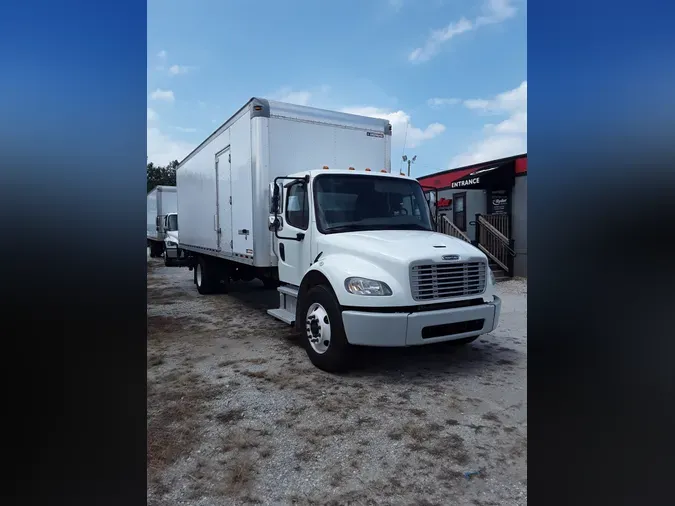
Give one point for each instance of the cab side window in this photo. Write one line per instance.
(297, 206)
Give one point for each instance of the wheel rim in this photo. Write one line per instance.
(318, 328)
(198, 270)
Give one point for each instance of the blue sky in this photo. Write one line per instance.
(450, 75)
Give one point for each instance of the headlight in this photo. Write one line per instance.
(171, 244)
(492, 277)
(364, 286)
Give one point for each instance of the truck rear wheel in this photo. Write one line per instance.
(206, 282)
(324, 335)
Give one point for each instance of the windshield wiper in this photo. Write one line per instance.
(408, 226)
(347, 228)
(382, 226)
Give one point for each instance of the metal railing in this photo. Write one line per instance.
(494, 244)
(445, 226)
(499, 221)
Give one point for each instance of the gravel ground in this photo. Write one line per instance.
(238, 415)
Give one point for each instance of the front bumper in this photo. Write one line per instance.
(412, 329)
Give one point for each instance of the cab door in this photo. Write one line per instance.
(293, 238)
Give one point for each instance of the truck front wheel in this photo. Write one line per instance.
(324, 335)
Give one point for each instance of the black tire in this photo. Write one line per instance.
(338, 355)
(270, 283)
(207, 283)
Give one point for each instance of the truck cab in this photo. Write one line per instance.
(173, 255)
(361, 264)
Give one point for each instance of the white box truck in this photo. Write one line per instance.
(304, 199)
(161, 201)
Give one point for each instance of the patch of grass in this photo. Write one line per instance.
(239, 475)
(492, 417)
(395, 434)
(364, 420)
(476, 428)
(505, 361)
(177, 407)
(296, 410)
(256, 361)
(226, 363)
(155, 360)
(336, 479)
(451, 422)
(418, 412)
(415, 431)
(230, 415)
(256, 374)
(404, 395)
(240, 440)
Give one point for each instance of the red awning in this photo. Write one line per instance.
(443, 180)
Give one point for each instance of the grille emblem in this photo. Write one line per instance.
(450, 257)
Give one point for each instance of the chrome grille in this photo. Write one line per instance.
(438, 281)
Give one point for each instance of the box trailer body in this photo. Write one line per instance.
(304, 199)
(224, 184)
(161, 201)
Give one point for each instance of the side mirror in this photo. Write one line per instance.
(275, 199)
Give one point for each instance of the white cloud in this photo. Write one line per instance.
(399, 121)
(152, 115)
(162, 149)
(300, 97)
(162, 55)
(509, 137)
(164, 95)
(187, 130)
(288, 95)
(512, 100)
(494, 11)
(174, 70)
(437, 103)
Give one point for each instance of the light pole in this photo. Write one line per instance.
(410, 161)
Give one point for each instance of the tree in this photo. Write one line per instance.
(158, 175)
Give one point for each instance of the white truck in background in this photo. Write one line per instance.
(161, 201)
(304, 200)
(173, 255)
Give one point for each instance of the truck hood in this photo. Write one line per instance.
(398, 246)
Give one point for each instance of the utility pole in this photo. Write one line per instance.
(410, 161)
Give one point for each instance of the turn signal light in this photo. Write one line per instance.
(384, 170)
(351, 168)
(325, 167)
(367, 169)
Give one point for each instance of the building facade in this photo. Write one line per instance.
(497, 191)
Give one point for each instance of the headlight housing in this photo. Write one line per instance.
(365, 286)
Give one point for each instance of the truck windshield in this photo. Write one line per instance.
(348, 203)
(172, 222)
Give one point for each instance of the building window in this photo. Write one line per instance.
(459, 210)
(297, 207)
